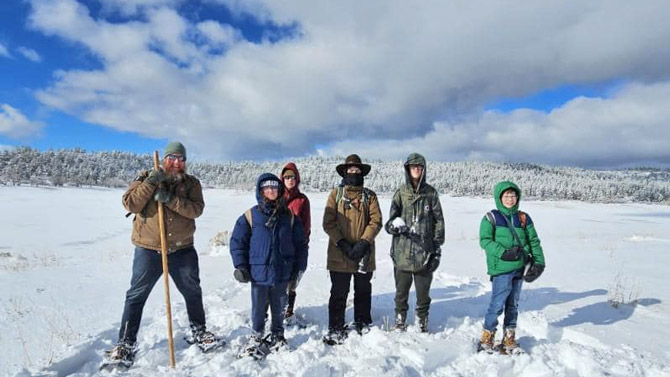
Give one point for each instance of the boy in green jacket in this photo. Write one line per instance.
(509, 238)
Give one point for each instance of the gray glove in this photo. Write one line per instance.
(156, 177)
(163, 195)
(242, 275)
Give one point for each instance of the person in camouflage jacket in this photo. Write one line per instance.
(417, 225)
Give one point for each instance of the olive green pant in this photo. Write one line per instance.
(403, 282)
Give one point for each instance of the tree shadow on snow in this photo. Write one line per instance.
(603, 313)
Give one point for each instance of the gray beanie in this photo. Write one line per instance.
(175, 147)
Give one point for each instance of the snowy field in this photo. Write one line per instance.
(65, 258)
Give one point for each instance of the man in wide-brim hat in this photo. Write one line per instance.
(352, 220)
(352, 160)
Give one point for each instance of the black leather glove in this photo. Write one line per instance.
(433, 263)
(344, 246)
(359, 250)
(156, 177)
(163, 195)
(242, 275)
(512, 254)
(533, 273)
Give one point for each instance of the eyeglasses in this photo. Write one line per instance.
(290, 178)
(416, 167)
(174, 157)
(509, 196)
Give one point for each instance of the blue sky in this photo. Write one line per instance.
(570, 84)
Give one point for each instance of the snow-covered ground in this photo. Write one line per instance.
(65, 258)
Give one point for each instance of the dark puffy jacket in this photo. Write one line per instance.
(421, 210)
(271, 250)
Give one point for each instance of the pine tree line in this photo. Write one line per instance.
(76, 167)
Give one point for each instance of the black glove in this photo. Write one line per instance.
(512, 254)
(533, 273)
(344, 246)
(359, 250)
(156, 177)
(433, 262)
(163, 195)
(241, 274)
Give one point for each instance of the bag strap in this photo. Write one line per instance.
(247, 215)
(511, 228)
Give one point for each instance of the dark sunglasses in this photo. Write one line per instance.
(174, 157)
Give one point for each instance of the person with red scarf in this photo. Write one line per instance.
(298, 203)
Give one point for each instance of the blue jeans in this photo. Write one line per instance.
(504, 297)
(261, 297)
(147, 269)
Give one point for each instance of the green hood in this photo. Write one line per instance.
(415, 159)
(497, 193)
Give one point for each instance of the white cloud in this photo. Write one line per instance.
(29, 54)
(390, 70)
(629, 128)
(4, 52)
(14, 124)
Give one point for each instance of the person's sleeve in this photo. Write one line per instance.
(396, 211)
(137, 196)
(239, 243)
(306, 216)
(330, 218)
(374, 224)
(438, 216)
(492, 248)
(300, 246)
(535, 245)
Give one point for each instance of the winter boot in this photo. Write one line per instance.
(122, 356)
(361, 328)
(277, 343)
(335, 336)
(400, 323)
(486, 343)
(509, 344)
(291, 302)
(423, 324)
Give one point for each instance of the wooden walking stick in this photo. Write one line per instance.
(166, 277)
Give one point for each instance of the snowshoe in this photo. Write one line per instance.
(205, 340)
(423, 324)
(335, 337)
(257, 348)
(277, 343)
(400, 324)
(121, 357)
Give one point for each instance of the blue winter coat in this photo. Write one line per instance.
(272, 254)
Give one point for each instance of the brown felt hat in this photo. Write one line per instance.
(352, 160)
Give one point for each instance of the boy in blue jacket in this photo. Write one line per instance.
(268, 249)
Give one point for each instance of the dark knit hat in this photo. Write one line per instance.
(352, 160)
(175, 147)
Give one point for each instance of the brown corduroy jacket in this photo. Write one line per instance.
(180, 213)
(360, 221)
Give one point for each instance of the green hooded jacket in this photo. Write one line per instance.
(503, 240)
(421, 211)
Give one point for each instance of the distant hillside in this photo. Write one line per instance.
(76, 167)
